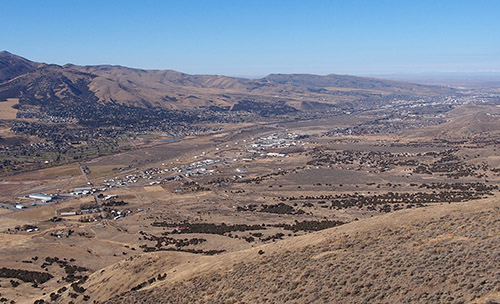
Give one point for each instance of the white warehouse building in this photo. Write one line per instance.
(40, 196)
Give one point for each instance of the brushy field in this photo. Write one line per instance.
(438, 256)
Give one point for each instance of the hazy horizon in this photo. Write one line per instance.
(444, 78)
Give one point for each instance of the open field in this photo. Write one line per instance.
(6, 108)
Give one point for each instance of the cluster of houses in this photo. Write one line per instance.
(157, 175)
(253, 149)
(118, 214)
(275, 141)
(248, 152)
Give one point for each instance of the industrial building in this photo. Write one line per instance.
(42, 197)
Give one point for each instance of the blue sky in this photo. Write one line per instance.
(255, 38)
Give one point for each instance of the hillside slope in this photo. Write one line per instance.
(438, 254)
(39, 83)
(347, 81)
(441, 254)
(12, 66)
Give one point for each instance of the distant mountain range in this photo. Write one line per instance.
(40, 83)
(467, 79)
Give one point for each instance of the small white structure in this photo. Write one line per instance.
(273, 154)
(19, 206)
(79, 191)
(42, 197)
(71, 213)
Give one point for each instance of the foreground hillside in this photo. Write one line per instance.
(441, 254)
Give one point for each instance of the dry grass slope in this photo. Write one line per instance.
(6, 108)
(440, 254)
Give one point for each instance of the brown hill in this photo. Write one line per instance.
(468, 121)
(38, 83)
(353, 82)
(12, 66)
(438, 254)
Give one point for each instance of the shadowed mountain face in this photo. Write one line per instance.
(39, 84)
(12, 66)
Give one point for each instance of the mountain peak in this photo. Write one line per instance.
(12, 66)
(7, 54)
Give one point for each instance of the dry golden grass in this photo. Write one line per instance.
(154, 189)
(3, 211)
(7, 222)
(36, 214)
(102, 170)
(54, 172)
(384, 259)
(66, 170)
(6, 108)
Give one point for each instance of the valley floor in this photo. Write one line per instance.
(347, 209)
